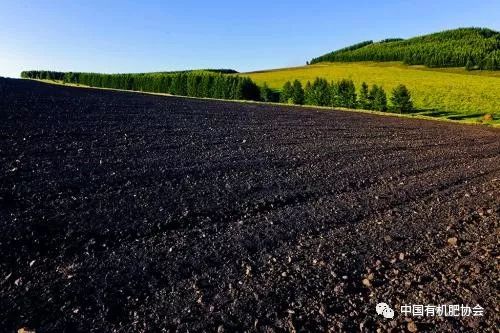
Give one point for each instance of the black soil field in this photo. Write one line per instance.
(124, 212)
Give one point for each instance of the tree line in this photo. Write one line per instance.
(189, 83)
(473, 48)
(343, 94)
(320, 92)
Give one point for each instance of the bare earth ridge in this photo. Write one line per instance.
(129, 212)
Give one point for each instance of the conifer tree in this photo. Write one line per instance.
(308, 93)
(380, 101)
(265, 93)
(297, 93)
(401, 99)
(378, 98)
(364, 97)
(320, 93)
(286, 93)
(345, 94)
(249, 90)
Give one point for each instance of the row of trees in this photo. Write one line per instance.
(474, 48)
(216, 85)
(190, 83)
(43, 75)
(343, 94)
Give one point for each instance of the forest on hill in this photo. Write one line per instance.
(473, 48)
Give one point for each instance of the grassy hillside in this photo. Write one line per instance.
(458, 92)
(471, 47)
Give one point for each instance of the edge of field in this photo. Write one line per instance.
(326, 108)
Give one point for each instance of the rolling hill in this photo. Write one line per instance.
(475, 48)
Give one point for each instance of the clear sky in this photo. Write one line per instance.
(139, 36)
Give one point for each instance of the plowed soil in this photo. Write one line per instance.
(123, 212)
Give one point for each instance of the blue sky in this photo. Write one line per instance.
(140, 36)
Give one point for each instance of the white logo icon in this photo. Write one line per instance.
(383, 309)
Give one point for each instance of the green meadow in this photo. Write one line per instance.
(451, 93)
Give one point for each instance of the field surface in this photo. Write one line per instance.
(127, 212)
(458, 92)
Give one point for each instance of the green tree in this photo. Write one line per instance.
(401, 99)
(286, 93)
(266, 93)
(378, 98)
(344, 94)
(193, 85)
(206, 86)
(218, 89)
(297, 93)
(249, 90)
(318, 93)
(364, 97)
(308, 93)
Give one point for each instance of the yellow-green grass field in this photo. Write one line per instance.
(452, 93)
